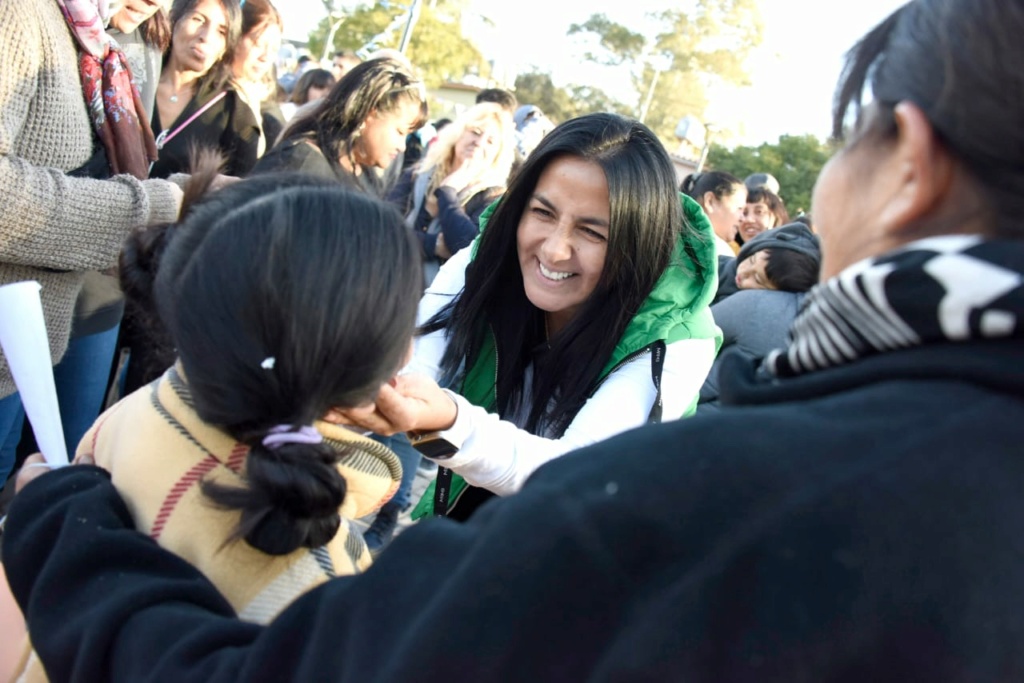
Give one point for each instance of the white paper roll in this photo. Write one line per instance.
(27, 350)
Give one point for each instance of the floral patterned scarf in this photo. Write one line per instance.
(110, 91)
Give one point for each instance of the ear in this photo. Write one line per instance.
(922, 171)
(709, 197)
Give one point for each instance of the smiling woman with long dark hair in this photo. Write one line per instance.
(581, 312)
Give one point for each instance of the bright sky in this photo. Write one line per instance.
(793, 73)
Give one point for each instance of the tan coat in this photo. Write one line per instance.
(158, 451)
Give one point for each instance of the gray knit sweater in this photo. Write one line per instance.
(54, 227)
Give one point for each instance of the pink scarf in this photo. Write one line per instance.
(110, 92)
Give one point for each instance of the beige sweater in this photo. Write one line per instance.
(53, 227)
(158, 450)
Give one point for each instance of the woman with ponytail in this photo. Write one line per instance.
(269, 342)
(287, 300)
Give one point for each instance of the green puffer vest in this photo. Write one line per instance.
(677, 308)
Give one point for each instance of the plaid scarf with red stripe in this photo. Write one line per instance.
(110, 91)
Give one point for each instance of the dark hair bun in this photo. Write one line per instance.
(291, 500)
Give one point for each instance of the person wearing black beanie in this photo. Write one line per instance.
(786, 258)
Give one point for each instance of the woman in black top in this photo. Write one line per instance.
(196, 107)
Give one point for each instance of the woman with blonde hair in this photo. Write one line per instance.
(463, 172)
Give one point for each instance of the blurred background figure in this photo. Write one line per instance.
(303, 64)
(499, 96)
(343, 62)
(464, 170)
(253, 64)
(764, 210)
(531, 127)
(358, 129)
(762, 181)
(313, 86)
(143, 31)
(723, 198)
(766, 287)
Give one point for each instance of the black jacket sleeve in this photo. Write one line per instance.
(400, 194)
(459, 225)
(240, 140)
(104, 602)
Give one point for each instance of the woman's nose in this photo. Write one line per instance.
(557, 246)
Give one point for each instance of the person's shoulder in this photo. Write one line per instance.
(760, 301)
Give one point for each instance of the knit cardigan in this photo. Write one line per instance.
(54, 227)
(158, 450)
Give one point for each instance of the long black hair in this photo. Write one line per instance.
(322, 281)
(645, 221)
(955, 60)
(380, 85)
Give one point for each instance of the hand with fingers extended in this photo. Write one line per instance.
(409, 403)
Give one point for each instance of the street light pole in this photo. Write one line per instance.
(414, 15)
(650, 94)
(709, 131)
(337, 19)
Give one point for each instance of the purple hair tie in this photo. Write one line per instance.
(282, 434)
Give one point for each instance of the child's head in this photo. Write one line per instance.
(285, 297)
(786, 259)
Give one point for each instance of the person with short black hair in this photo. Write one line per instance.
(505, 99)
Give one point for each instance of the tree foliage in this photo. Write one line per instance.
(437, 46)
(561, 104)
(795, 160)
(692, 47)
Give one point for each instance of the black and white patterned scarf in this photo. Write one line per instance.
(953, 288)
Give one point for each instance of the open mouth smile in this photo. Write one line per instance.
(553, 275)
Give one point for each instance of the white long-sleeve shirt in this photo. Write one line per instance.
(497, 455)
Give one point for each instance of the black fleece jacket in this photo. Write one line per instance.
(864, 523)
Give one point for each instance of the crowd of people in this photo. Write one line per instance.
(673, 433)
